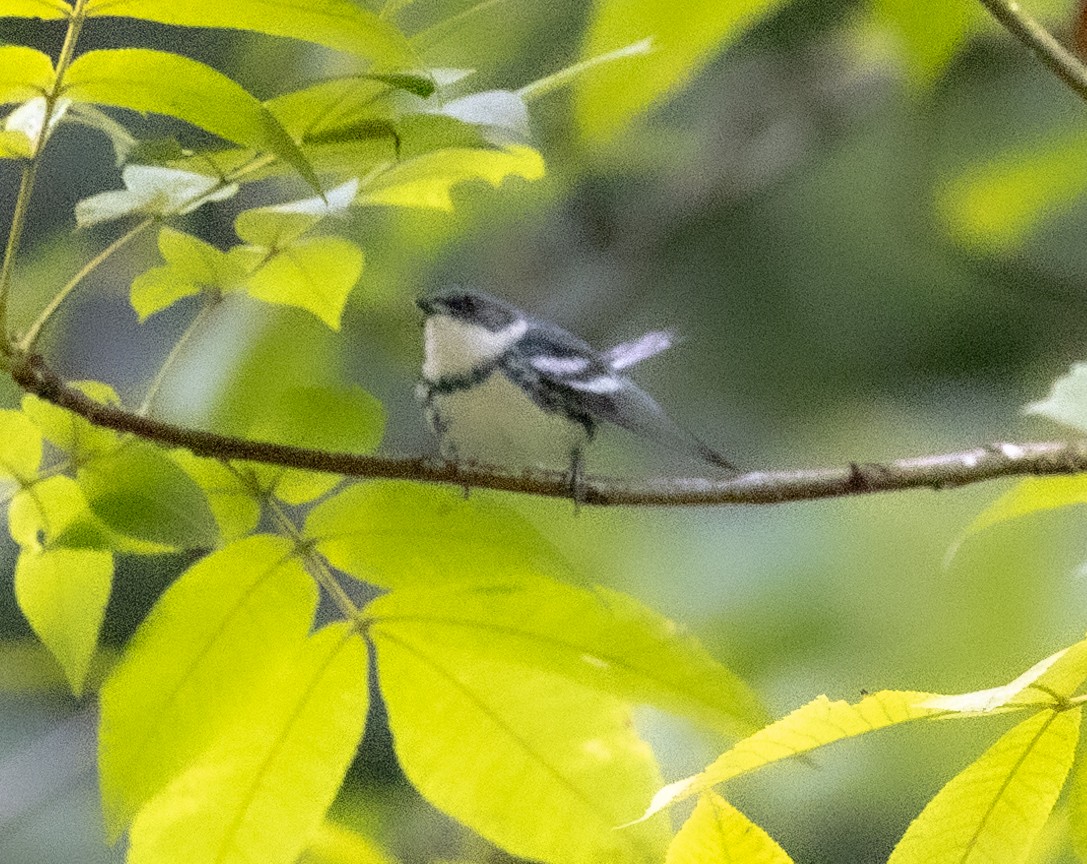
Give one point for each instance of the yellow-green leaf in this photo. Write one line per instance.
(146, 80)
(45, 9)
(24, 72)
(54, 513)
(337, 844)
(996, 205)
(992, 811)
(683, 37)
(600, 638)
(63, 594)
(191, 265)
(929, 32)
(76, 436)
(427, 181)
(541, 766)
(153, 190)
(263, 786)
(1077, 809)
(233, 503)
(276, 226)
(400, 535)
(20, 447)
(718, 832)
(232, 619)
(817, 724)
(315, 274)
(338, 24)
(1029, 496)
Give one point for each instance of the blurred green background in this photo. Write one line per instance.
(865, 219)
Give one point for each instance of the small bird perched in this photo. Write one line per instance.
(500, 387)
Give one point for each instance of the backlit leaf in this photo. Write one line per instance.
(993, 810)
(399, 535)
(1029, 496)
(146, 80)
(683, 40)
(236, 509)
(929, 32)
(1067, 400)
(137, 491)
(77, 437)
(24, 72)
(601, 639)
(427, 181)
(337, 844)
(338, 24)
(54, 513)
(541, 766)
(276, 226)
(63, 594)
(717, 831)
(315, 274)
(20, 446)
(152, 190)
(191, 265)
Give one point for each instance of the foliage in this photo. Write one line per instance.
(509, 678)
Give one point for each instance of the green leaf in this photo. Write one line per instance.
(1067, 400)
(1033, 495)
(262, 788)
(277, 226)
(683, 40)
(336, 844)
(427, 181)
(993, 810)
(1077, 809)
(69, 432)
(20, 447)
(25, 73)
(996, 205)
(338, 24)
(717, 831)
(124, 143)
(191, 265)
(401, 535)
(47, 10)
(600, 639)
(314, 274)
(334, 104)
(929, 32)
(328, 418)
(145, 80)
(54, 513)
(63, 594)
(539, 765)
(137, 491)
(152, 190)
(232, 618)
(236, 509)
(817, 724)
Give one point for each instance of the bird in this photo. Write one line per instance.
(501, 387)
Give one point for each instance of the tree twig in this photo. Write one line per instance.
(1060, 61)
(942, 471)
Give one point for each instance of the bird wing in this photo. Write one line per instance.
(566, 373)
(636, 350)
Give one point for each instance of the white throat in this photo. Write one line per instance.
(454, 347)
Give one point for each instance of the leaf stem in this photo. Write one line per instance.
(1060, 61)
(557, 80)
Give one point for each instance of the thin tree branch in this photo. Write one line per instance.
(1060, 61)
(942, 471)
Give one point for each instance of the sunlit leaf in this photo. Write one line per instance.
(338, 24)
(263, 786)
(814, 725)
(683, 40)
(152, 190)
(336, 844)
(400, 535)
(146, 80)
(929, 31)
(24, 72)
(427, 181)
(541, 766)
(137, 491)
(1029, 496)
(601, 639)
(1067, 400)
(315, 274)
(69, 432)
(1077, 809)
(327, 418)
(233, 503)
(232, 618)
(20, 446)
(717, 831)
(276, 226)
(191, 265)
(54, 513)
(997, 204)
(63, 594)
(333, 104)
(993, 810)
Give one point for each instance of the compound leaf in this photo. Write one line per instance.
(717, 831)
(25, 73)
(20, 447)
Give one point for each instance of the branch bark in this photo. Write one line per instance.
(942, 471)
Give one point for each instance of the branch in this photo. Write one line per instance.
(1061, 62)
(943, 471)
